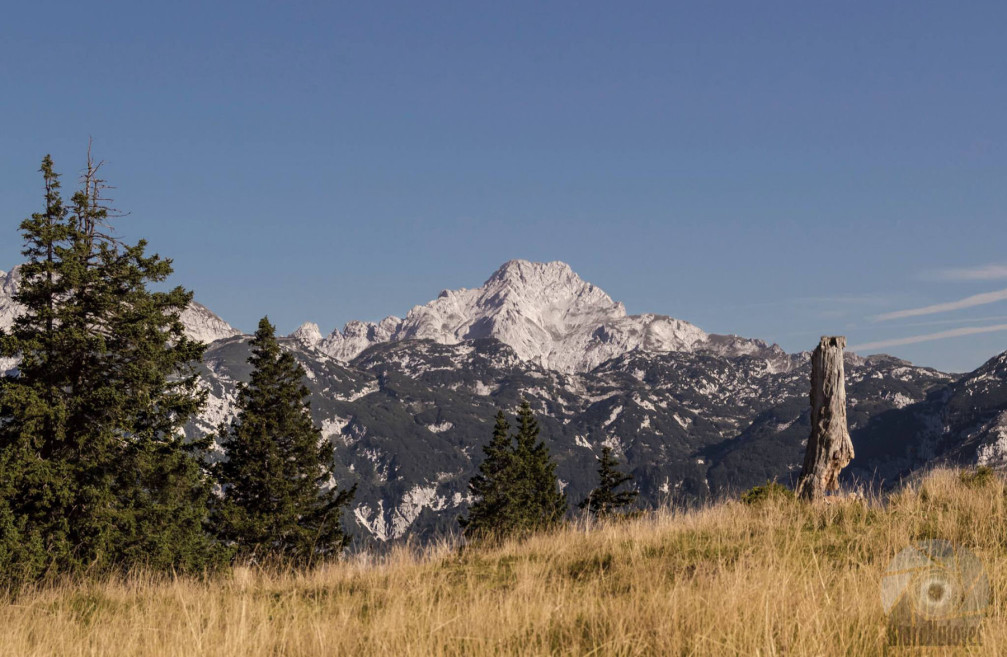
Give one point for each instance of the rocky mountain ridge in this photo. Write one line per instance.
(546, 313)
(408, 403)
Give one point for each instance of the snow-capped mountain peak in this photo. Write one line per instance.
(545, 287)
(544, 311)
(540, 309)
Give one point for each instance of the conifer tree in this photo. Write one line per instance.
(495, 509)
(516, 490)
(36, 481)
(279, 495)
(94, 468)
(162, 485)
(604, 499)
(543, 502)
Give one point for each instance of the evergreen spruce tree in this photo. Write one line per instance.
(605, 500)
(495, 509)
(95, 472)
(162, 486)
(516, 490)
(279, 496)
(35, 476)
(542, 502)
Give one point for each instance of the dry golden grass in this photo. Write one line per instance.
(777, 578)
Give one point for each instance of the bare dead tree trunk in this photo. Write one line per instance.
(829, 446)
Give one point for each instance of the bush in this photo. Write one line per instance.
(771, 490)
(977, 478)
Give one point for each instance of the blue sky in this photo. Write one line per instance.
(773, 169)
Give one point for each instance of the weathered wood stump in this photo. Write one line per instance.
(829, 446)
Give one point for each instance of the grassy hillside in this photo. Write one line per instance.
(773, 578)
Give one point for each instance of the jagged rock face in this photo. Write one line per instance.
(308, 335)
(357, 336)
(200, 323)
(546, 313)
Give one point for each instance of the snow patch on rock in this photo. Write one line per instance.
(332, 427)
(613, 416)
(357, 394)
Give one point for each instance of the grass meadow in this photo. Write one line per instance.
(778, 577)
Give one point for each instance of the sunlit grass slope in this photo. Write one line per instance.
(772, 578)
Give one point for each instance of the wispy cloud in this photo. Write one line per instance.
(980, 273)
(953, 333)
(957, 320)
(967, 302)
(846, 300)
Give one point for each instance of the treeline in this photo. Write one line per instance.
(516, 490)
(95, 472)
